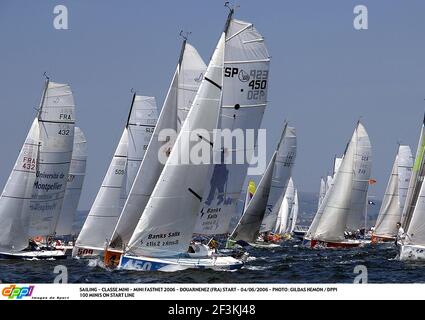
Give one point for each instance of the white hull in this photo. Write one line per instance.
(412, 253)
(33, 255)
(217, 263)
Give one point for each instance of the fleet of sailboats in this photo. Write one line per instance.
(155, 201)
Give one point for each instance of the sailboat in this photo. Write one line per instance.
(184, 85)
(246, 83)
(342, 201)
(32, 199)
(105, 211)
(393, 202)
(276, 177)
(164, 232)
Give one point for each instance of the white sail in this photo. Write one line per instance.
(337, 164)
(106, 208)
(141, 124)
(186, 81)
(415, 184)
(294, 213)
(190, 74)
(282, 172)
(245, 89)
(405, 164)
(74, 186)
(56, 123)
(282, 217)
(322, 192)
(248, 226)
(331, 219)
(167, 223)
(14, 200)
(362, 170)
(390, 212)
(285, 223)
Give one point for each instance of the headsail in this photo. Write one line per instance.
(294, 213)
(167, 223)
(182, 91)
(405, 164)
(74, 186)
(246, 77)
(322, 192)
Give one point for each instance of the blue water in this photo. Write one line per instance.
(289, 263)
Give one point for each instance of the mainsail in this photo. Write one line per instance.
(104, 213)
(246, 76)
(405, 164)
(56, 124)
(166, 226)
(331, 219)
(182, 91)
(74, 186)
(285, 161)
(390, 212)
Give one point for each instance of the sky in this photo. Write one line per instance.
(324, 75)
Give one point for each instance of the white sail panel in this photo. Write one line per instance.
(416, 231)
(168, 221)
(329, 181)
(56, 122)
(282, 217)
(287, 209)
(191, 73)
(141, 124)
(337, 164)
(104, 213)
(405, 164)
(390, 212)
(74, 185)
(246, 77)
(14, 200)
(248, 226)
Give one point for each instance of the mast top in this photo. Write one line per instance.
(185, 36)
(131, 107)
(230, 16)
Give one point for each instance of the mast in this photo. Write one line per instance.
(131, 108)
(185, 36)
(43, 96)
(229, 17)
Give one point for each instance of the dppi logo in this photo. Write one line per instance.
(232, 72)
(13, 292)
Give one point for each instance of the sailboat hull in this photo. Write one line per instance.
(412, 253)
(36, 255)
(177, 264)
(316, 244)
(86, 253)
(381, 239)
